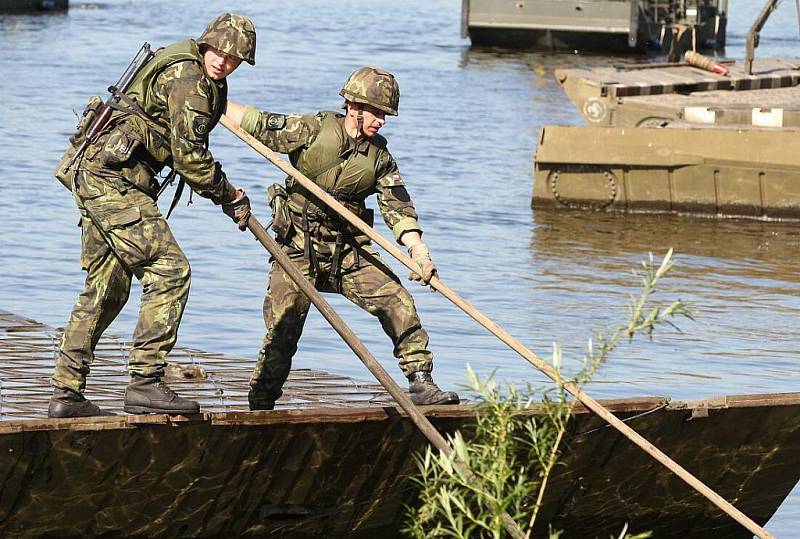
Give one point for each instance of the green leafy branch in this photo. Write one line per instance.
(517, 438)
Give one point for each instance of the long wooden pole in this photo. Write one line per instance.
(333, 318)
(503, 335)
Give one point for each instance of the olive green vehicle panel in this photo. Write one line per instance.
(741, 172)
(676, 138)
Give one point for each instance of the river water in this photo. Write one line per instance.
(464, 141)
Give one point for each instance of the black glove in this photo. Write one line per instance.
(238, 209)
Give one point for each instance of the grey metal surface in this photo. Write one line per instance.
(31, 6)
(594, 24)
(785, 98)
(770, 73)
(611, 16)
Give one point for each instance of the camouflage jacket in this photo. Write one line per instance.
(351, 170)
(181, 106)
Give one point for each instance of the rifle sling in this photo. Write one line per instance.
(134, 109)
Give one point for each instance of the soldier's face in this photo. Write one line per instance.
(374, 119)
(219, 64)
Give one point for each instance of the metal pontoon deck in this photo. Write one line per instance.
(218, 382)
(335, 459)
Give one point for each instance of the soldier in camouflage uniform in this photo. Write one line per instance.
(163, 120)
(345, 155)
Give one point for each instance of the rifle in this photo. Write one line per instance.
(104, 113)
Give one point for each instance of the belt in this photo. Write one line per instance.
(342, 237)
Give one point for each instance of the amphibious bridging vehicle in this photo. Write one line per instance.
(722, 139)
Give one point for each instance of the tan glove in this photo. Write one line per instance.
(421, 256)
(238, 209)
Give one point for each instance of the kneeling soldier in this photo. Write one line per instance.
(345, 155)
(163, 119)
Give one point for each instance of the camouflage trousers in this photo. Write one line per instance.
(370, 284)
(123, 235)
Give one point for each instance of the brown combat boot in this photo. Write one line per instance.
(424, 390)
(152, 396)
(68, 403)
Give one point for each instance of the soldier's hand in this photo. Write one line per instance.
(421, 256)
(238, 209)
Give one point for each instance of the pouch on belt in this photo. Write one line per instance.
(281, 221)
(75, 140)
(119, 147)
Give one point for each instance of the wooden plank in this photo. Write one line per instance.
(27, 349)
(645, 81)
(785, 98)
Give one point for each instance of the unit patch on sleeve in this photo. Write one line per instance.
(201, 125)
(276, 121)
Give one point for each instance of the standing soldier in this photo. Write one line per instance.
(162, 119)
(345, 155)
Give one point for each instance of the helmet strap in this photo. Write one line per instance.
(360, 122)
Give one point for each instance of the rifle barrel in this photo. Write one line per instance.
(142, 57)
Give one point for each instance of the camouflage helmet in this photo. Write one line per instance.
(373, 86)
(232, 34)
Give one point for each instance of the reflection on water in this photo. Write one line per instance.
(465, 138)
(761, 247)
(739, 276)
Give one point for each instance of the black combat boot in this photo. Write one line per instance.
(68, 403)
(425, 391)
(260, 397)
(152, 396)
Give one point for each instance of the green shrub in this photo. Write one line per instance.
(517, 438)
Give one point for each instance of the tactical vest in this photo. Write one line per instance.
(342, 171)
(154, 125)
(333, 162)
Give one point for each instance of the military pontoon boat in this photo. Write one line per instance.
(335, 459)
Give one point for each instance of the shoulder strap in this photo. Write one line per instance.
(132, 108)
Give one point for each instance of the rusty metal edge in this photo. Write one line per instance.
(739, 401)
(276, 417)
(359, 415)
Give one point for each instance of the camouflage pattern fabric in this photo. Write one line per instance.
(232, 34)
(189, 102)
(373, 86)
(367, 168)
(123, 232)
(364, 168)
(184, 105)
(369, 283)
(123, 235)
